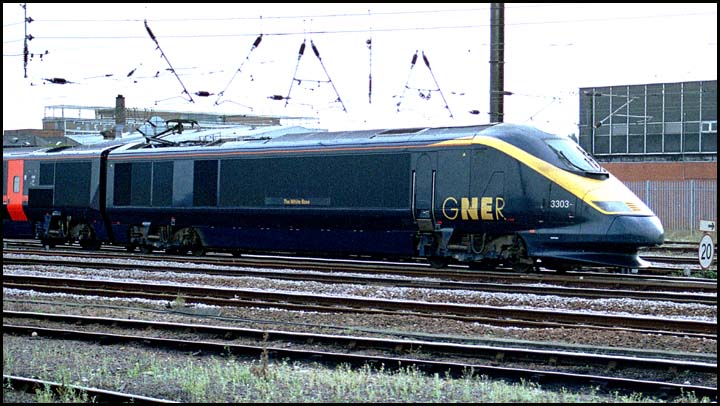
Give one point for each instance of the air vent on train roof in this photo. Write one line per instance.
(397, 131)
(57, 149)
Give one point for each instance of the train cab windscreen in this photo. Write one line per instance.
(575, 159)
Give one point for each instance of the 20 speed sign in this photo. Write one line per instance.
(706, 251)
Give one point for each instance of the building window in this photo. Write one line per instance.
(16, 184)
(673, 128)
(708, 126)
(619, 129)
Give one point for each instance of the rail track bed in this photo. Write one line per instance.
(682, 259)
(362, 303)
(322, 303)
(680, 291)
(549, 366)
(587, 279)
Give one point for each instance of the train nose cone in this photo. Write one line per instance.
(640, 230)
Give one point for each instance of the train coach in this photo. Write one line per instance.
(56, 195)
(483, 195)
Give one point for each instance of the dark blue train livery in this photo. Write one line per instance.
(483, 195)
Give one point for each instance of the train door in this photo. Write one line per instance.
(423, 193)
(487, 184)
(13, 196)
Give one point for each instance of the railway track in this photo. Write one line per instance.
(561, 366)
(492, 360)
(32, 385)
(675, 259)
(501, 316)
(551, 354)
(589, 285)
(692, 292)
(659, 264)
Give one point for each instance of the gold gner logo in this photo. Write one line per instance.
(490, 208)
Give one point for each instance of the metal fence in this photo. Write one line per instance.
(680, 205)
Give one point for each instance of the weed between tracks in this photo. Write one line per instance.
(200, 378)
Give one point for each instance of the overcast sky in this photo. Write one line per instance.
(551, 50)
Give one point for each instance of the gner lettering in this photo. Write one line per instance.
(488, 209)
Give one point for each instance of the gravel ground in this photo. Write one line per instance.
(364, 324)
(523, 301)
(703, 379)
(355, 324)
(297, 321)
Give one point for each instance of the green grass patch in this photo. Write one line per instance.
(190, 378)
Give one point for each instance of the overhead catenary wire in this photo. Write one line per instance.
(301, 52)
(423, 95)
(147, 27)
(427, 63)
(433, 12)
(238, 70)
(297, 64)
(368, 42)
(192, 32)
(412, 66)
(317, 54)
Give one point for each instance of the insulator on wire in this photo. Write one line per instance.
(257, 41)
(302, 50)
(314, 48)
(147, 27)
(414, 59)
(427, 63)
(203, 93)
(277, 97)
(58, 81)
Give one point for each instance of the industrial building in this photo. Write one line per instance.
(73, 125)
(660, 139)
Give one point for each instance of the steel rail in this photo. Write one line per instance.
(555, 357)
(245, 297)
(685, 292)
(455, 369)
(30, 385)
(374, 266)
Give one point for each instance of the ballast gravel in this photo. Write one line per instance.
(358, 323)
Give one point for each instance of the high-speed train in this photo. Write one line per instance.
(484, 195)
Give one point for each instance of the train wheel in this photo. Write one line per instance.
(483, 266)
(520, 261)
(563, 269)
(130, 247)
(84, 234)
(198, 251)
(90, 244)
(522, 267)
(146, 249)
(438, 262)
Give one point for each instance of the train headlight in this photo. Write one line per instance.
(617, 206)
